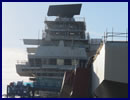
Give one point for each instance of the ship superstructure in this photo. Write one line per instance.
(63, 47)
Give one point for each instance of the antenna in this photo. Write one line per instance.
(64, 10)
(106, 35)
(112, 33)
(126, 34)
(38, 37)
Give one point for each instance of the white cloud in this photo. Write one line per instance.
(9, 59)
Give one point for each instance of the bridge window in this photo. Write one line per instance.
(38, 62)
(52, 61)
(72, 33)
(67, 62)
(74, 62)
(44, 61)
(32, 62)
(60, 62)
(82, 63)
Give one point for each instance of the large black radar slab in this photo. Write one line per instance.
(64, 10)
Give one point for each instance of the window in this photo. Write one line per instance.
(82, 63)
(39, 74)
(25, 69)
(74, 62)
(44, 61)
(38, 62)
(31, 62)
(57, 33)
(72, 33)
(60, 62)
(67, 62)
(52, 61)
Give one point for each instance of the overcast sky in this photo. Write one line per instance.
(25, 20)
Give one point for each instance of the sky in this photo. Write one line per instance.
(22, 20)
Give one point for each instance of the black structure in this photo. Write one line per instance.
(111, 89)
(64, 10)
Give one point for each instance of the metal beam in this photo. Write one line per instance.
(32, 41)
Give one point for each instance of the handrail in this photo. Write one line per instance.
(113, 35)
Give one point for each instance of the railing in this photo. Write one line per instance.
(78, 19)
(115, 36)
(66, 67)
(62, 30)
